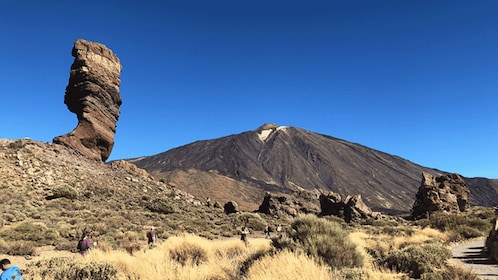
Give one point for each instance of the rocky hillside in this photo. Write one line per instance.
(50, 193)
(286, 159)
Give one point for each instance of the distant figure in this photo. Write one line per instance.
(151, 237)
(243, 234)
(267, 232)
(495, 222)
(84, 244)
(279, 231)
(9, 272)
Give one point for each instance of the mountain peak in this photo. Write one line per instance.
(267, 129)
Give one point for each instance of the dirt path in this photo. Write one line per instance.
(471, 255)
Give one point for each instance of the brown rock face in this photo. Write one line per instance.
(93, 95)
(352, 208)
(444, 193)
(289, 206)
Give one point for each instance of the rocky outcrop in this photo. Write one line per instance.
(352, 208)
(231, 207)
(444, 193)
(289, 206)
(93, 95)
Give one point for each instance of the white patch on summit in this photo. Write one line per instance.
(265, 133)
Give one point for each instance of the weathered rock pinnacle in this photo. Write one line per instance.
(93, 95)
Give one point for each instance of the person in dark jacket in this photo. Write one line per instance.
(151, 237)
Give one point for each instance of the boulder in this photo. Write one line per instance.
(447, 193)
(93, 95)
(351, 209)
(289, 206)
(231, 207)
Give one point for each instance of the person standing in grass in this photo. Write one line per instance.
(243, 235)
(151, 237)
(84, 244)
(9, 272)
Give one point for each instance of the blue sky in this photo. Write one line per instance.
(416, 79)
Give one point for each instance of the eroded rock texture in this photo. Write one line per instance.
(289, 206)
(352, 208)
(93, 95)
(444, 193)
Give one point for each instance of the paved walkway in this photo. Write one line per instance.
(473, 257)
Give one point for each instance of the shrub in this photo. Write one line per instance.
(188, 253)
(456, 272)
(67, 269)
(418, 259)
(64, 191)
(250, 220)
(460, 226)
(159, 205)
(35, 232)
(322, 239)
(21, 248)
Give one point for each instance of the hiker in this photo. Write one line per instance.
(243, 234)
(279, 231)
(267, 232)
(84, 244)
(151, 237)
(9, 272)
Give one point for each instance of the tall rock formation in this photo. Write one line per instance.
(443, 193)
(93, 95)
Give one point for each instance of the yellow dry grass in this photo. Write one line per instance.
(223, 259)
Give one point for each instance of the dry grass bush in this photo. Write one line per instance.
(69, 269)
(189, 253)
(417, 260)
(254, 221)
(38, 233)
(470, 224)
(22, 248)
(457, 272)
(63, 191)
(288, 265)
(322, 239)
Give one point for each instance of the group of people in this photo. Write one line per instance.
(267, 231)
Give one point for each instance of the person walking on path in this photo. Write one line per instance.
(9, 271)
(267, 232)
(84, 244)
(151, 237)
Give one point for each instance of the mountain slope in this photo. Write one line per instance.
(285, 159)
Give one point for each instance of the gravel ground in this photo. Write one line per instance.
(472, 256)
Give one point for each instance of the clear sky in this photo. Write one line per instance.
(416, 79)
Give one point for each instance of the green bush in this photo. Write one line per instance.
(64, 191)
(322, 239)
(159, 205)
(417, 260)
(34, 232)
(250, 220)
(460, 226)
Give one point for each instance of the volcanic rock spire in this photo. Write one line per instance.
(93, 95)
